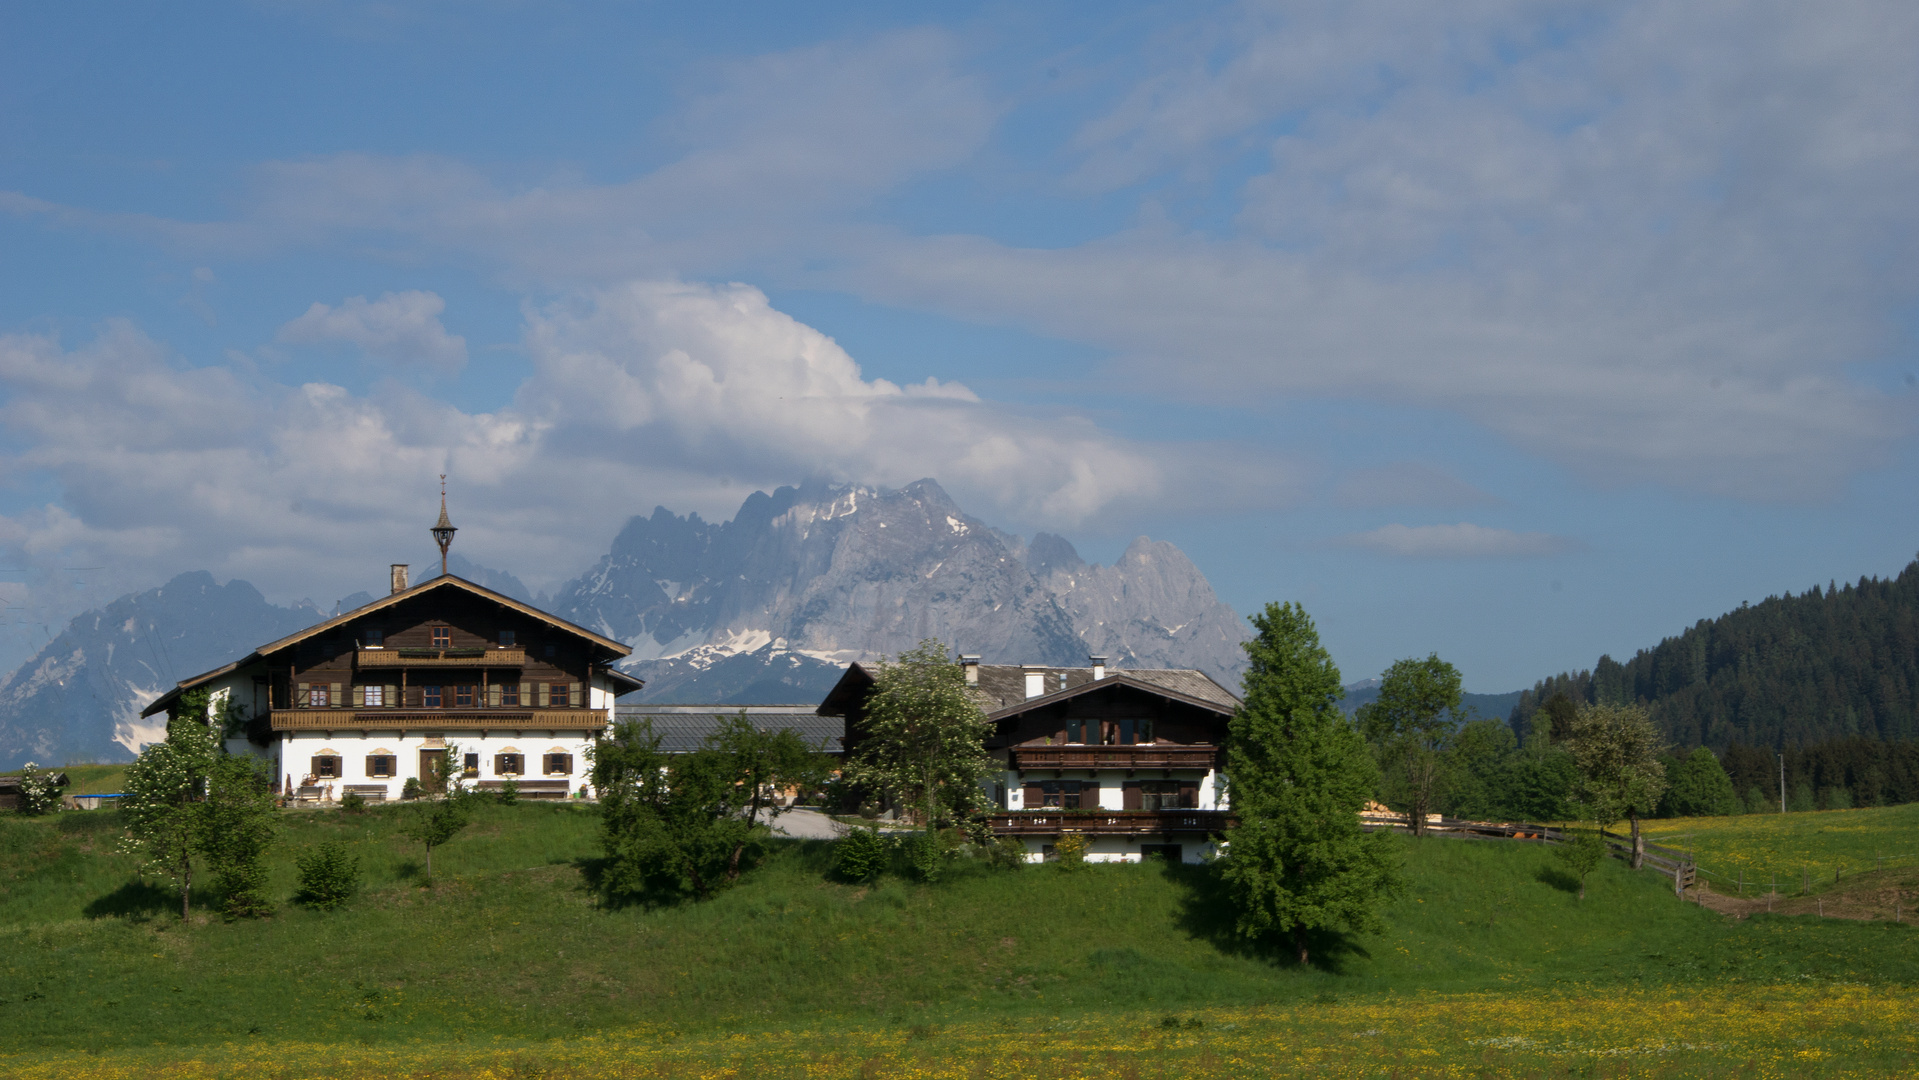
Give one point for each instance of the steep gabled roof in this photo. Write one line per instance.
(444, 581)
(1001, 690)
(1175, 684)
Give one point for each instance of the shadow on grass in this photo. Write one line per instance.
(1207, 913)
(137, 900)
(1557, 878)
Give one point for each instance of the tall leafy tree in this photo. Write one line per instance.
(237, 829)
(1410, 726)
(1299, 774)
(1698, 785)
(762, 763)
(685, 821)
(1617, 751)
(165, 823)
(923, 739)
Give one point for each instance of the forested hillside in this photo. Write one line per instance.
(1838, 663)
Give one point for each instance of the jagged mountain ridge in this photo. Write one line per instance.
(79, 698)
(817, 576)
(765, 608)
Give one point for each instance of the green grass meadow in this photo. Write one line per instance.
(1823, 847)
(511, 942)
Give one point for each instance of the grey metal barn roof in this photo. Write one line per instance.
(684, 728)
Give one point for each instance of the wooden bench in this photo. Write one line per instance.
(533, 789)
(369, 792)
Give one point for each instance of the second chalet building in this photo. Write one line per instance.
(369, 699)
(1131, 758)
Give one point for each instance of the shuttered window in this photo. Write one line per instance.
(556, 694)
(326, 766)
(512, 694)
(430, 696)
(508, 764)
(380, 766)
(1159, 795)
(559, 764)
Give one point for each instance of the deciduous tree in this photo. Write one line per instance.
(922, 743)
(1616, 749)
(237, 829)
(1410, 726)
(164, 822)
(1299, 774)
(1698, 786)
(685, 821)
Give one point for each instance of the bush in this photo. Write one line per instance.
(510, 792)
(860, 855)
(1006, 853)
(329, 876)
(410, 789)
(39, 794)
(1071, 851)
(353, 802)
(1581, 853)
(929, 850)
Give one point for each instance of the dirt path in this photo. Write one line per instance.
(1886, 895)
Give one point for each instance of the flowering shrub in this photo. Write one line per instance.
(39, 791)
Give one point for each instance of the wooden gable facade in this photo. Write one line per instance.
(1130, 759)
(366, 700)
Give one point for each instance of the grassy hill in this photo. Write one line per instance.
(511, 949)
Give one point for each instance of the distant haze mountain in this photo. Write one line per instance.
(80, 698)
(765, 608)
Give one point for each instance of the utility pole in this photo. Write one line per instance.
(1782, 782)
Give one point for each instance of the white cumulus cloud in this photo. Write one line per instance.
(400, 327)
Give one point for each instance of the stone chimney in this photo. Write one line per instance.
(971, 664)
(1099, 667)
(1035, 681)
(398, 581)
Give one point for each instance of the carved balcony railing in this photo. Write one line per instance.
(1144, 756)
(437, 719)
(1108, 822)
(438, 658)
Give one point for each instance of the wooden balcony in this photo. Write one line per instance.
(1108, 822)
(439, 719)
(439, 658)
(1146, 756)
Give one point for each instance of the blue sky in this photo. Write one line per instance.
(1518, 332)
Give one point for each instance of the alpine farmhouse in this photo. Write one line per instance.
(1130, 759)
(377, 696)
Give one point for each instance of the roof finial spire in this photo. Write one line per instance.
(443, 530)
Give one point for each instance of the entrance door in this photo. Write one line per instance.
(432, 776)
